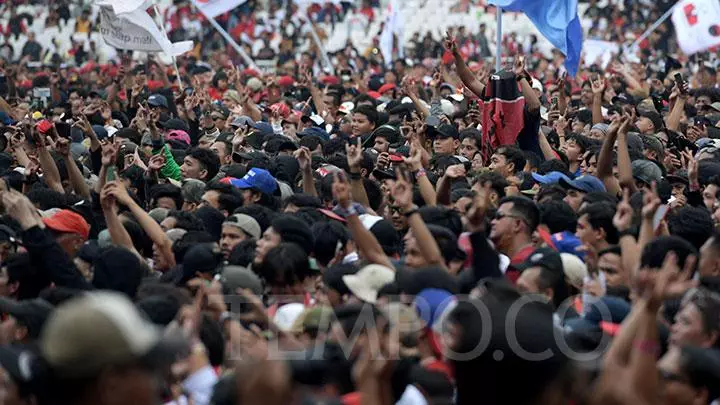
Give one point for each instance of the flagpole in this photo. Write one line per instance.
(174, 60)
(498, 45)
(654, 26)
(325, 58)
(248, 60)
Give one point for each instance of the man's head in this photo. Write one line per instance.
(201, 164)
(167, 196)
(649, 122)
(595, 226)
(258, 187)
(129, 352)
(610, 264)
(470, 142)
(285, 228)
(364, 120)
(223, 197)
(578, 188)
(542, 273)
(507, 160)
(697, 323)
(70, 230)
(574, 148)
(709, 264)
(447, 140)
(515, 221)
(223, 150)
(25, 319)
(238, 228)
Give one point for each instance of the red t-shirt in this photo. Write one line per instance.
(512, 273)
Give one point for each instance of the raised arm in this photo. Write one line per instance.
(402, 193)
(51, 174)
(118, 233)
(355, 157)
(623, 159)
(444, 183)
(77, 181)
(463, 72)
(305, 161)
(605, 159)
(152, 229)
(414, 162)
(680, 98)
(366, 242)
(532, 102)
(598, 87)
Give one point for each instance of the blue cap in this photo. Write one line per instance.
(157, 100)
(100, 131)
(549, 178)
(264, 128)
(431, 303)
(5, 118)
(258, 179)
(585, 183)
(567, 242)
(316, 131)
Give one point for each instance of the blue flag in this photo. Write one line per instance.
(557, 20)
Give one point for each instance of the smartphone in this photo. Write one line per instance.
(659, 216)
(554, 103)
(680, 82)
(44, 126)
(63, 129)
(111, 174)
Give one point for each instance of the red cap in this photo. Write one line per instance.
(374, 94)
(250, 72)
(386, 87)
(281, 108)
(285, 81)
(330, 80)
(67, 221)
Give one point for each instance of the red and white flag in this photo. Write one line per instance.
(697, 23)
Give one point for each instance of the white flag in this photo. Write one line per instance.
(394, 26)
(213, 8)
(697, 23)
(136, 30)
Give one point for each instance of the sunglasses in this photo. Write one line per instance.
(500, 215)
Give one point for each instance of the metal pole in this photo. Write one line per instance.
(174, 60)
(325, 58)
(653, 27)
(248, 60)
(498, 49)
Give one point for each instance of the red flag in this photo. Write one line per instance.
(502, 114)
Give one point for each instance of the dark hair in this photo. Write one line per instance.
(208, 159)
(613, 249)
(374, 193)
(21, 270)
(599, 196)
(558, 216)
(653, 255)
(473, 134)
(328, 237)
(554, 192)
(230, 197)
(693, 224)
(553, 165)
(370, 112)
(333, 146)
(310, 215)
(600, 216)
(301, 200)
(364, 98)
(243, 253)
(186, 220)
(497, 182)
(188, 240)
(525, 208)
(532, 159)
(701, 367)
(167, 190)
(581, 141)
(444, 217)
(311, 142)
(46, 198)
(284, 265)
(262, 214)
(513, 155)
(212, 338)
(118, 269)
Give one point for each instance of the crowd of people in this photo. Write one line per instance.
(429, 231)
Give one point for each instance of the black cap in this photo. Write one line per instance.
(31, 314)
(174, 123)
(202, 258)
(18, 362)
(546, 258)
(447, 131)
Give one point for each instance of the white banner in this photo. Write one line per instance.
(394, 27)
(600, 52)
(136, 30)
(213, 8)
(697, 23)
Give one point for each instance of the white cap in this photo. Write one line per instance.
(366, 283)
(574, 268)
(287, 314)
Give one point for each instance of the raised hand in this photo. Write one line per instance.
(455, 171)
(402, 190)
(304, 158)
(353, 150)
(519, 67)
(62, 147)
(109, 154)
(450, 43)
(107, 200)
(651, 202)
(481, 203)
(414, 162)
(341, 190)
(624, 214)
(118, 191)
(598, 86)
(156, 162)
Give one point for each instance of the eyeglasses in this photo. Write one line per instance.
(668, 376)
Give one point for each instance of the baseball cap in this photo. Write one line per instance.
(646, 171)
(108, 325)
(242, 121)
(178, 135)
(286, 315)
(655, 117)
(235, 277)
(202, 258)
(447, 131)
(263, 128)
(680, 176)
(17, 361)
(67, 221)
(386, 87)
(316, 131)
(245, 223)
(544, 257)
(32, 314)
(567, 242)
(366, 283)
(574, 268)
(192, 190)
(549, 178)
(174, 123)
(257, 179)
(157, 100)
(585, 183)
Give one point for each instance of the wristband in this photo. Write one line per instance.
(649, 347)
(355, 176)
(626, 232)
(420, 173)
(409, 213)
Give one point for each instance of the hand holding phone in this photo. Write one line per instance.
(682, 86)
